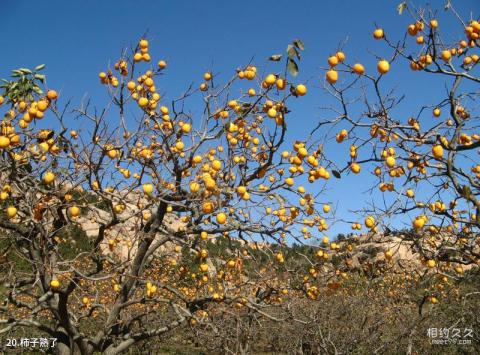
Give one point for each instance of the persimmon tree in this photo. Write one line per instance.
(142, 174)
(426, 165)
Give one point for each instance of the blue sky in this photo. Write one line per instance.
(78, 39)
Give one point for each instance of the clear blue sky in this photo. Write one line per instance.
(78, 39)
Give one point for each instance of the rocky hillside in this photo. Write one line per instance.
(400, 251)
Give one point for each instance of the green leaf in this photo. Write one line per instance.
(292, 52)
(401, 8)
(40, 77)
(292, 67)
(275, 57)
(336, 174)
(40, 67)
(38, 90)
(16, 73)
(467, 192)
(299, 44)
(25, 71)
